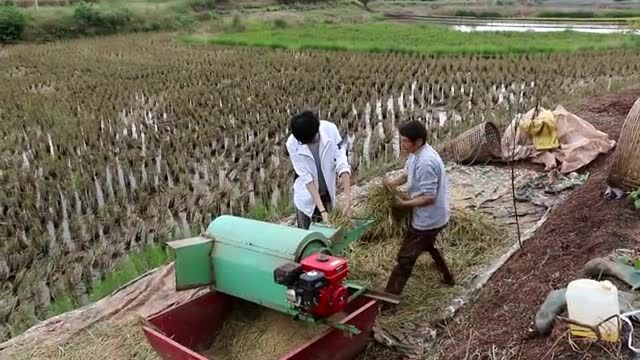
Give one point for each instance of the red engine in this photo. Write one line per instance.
(316, 284)
(334, 295)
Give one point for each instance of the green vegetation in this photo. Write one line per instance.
(481, 14)
(585, 14)
(126, 269)
(407, 38)
(635, 197)
(12, 23)
(88, 18)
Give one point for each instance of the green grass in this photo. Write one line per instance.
(408, 38)
(125, 270)
(61, 305)
(128, 268)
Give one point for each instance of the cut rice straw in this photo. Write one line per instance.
(470, 239)
(391, 221)
(102, 341)
(256, 333)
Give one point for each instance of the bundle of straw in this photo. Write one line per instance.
(339, 219)
(391, 221)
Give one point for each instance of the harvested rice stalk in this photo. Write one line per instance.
(338, 219)
(391, 221)
(256, 333)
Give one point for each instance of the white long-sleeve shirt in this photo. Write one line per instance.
(333, 161)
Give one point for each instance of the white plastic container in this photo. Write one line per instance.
(590, 302)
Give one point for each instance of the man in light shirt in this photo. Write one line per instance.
(318, 160)
(429, 200)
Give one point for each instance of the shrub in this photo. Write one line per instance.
(186, 20)
(91, 20)
(635, 197)
(280, 24)
(566, 14)
(483, 14)
(203, 5)
(12, 24)
(621, 14)
(51, 28)
(236, 23)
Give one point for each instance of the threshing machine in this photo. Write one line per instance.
(287, 269)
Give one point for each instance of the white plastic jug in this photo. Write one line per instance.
(590, 302)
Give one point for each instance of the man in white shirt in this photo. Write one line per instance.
(316, 156)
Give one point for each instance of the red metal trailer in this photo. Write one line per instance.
(180, 332)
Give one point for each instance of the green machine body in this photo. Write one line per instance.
(238, 256)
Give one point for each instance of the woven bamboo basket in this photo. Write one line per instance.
(479, 144)
(625, 169)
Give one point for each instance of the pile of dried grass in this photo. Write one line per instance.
(105, 340)
(470, 239)
(256, 333)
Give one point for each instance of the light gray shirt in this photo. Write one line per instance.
(426, 175)
(315, 152)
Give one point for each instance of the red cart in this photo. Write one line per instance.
(178, 333)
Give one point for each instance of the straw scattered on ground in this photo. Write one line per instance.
(256, 333)
(102, 341)
(470, 240)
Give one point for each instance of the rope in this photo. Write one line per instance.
(625, 317)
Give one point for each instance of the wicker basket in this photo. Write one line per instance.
(625, 170)
(476, 145)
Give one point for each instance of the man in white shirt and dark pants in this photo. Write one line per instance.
(318, 161)
(429, 200)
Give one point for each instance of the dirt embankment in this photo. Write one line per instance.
(583, 227)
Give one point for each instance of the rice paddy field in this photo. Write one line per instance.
(112, 146)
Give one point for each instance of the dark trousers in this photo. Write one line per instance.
(415, 243)
(304, 221)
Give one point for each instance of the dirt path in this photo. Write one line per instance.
(581, 228)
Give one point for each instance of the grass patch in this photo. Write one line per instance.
(61, 305)
(128, 268)
(407, 38)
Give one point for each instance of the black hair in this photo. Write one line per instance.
(414, 131)
(304, 126)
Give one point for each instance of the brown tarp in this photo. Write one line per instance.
(580, 143)
(149, 294)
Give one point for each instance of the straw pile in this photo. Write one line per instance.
(391, 221)
(470, 239)
(256, 333)
(102, 341)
